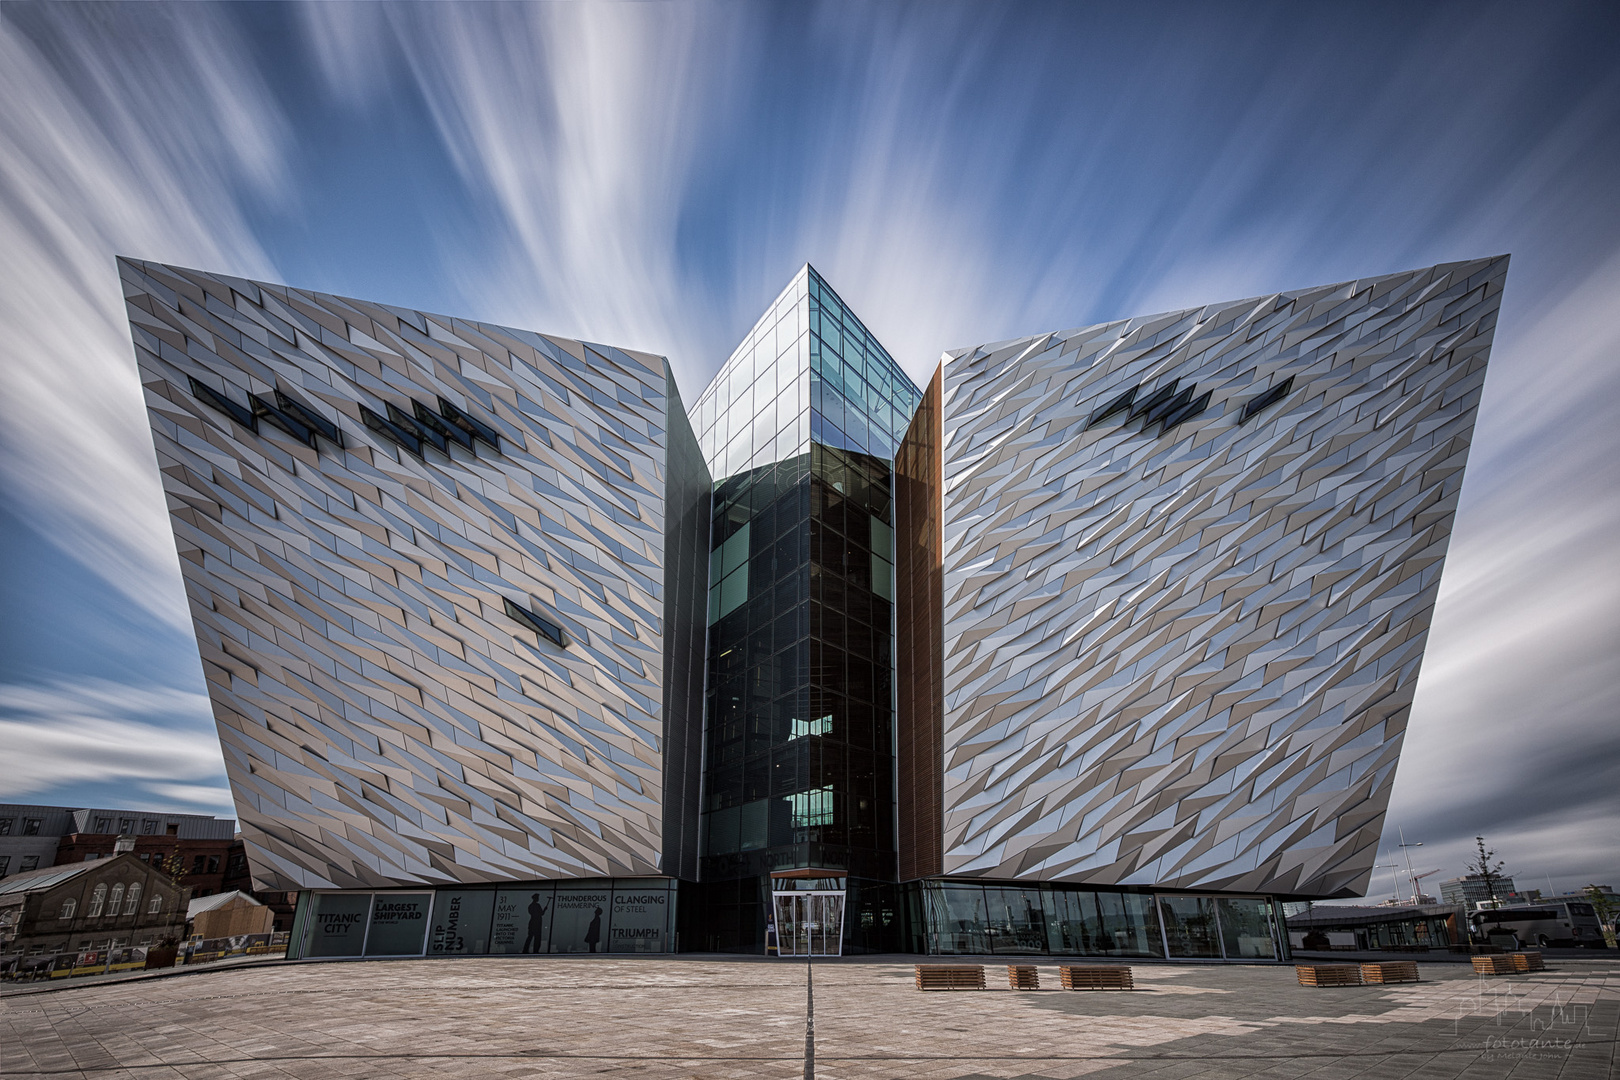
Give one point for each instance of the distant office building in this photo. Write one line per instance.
(35, 836)
(1101, 644)
(29, 835)
(1470, 890)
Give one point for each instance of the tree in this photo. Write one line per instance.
(1485, 869)
(1605, 909)
(174, 865)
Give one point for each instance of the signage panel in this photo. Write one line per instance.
(582, 921)
(398, 924)
(461, 922)
(523, 918)
(639, 918)
(339, 925)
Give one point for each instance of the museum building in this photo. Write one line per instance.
(1102, 643)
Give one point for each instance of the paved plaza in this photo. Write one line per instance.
(709, 1017)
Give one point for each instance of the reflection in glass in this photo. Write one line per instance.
(1189, 926)
(956, 918)
(1014, 921)
(1246, 930)
(1086, 923)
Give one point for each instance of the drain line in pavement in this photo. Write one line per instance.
(809, 1023)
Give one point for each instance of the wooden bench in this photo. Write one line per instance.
(1076, 977)
(1396, 971)
(1023, 977)
(950, 977)
(1328, 974)
(1527, 961)
(1494, 965)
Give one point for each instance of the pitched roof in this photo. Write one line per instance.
(46, 877)
(218, 900)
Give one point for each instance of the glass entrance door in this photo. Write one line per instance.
(809, 923)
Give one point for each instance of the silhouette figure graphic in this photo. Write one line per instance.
(537, 918)
(593, 933)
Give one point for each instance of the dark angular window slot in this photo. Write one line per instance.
(1154, 400)
(434, 422)
(1123, 401)
(312, 419)
(1267, 399)
(391, 431)
(544, 627)
(400, 418)
(1166, 408)
(1186, 412)
(470, 424)
(220, 403)
(290, 424)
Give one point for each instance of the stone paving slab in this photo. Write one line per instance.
(683, 1016)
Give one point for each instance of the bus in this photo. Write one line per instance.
(1567, 923)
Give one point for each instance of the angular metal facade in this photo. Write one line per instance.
(447, 580)
(1189, 566)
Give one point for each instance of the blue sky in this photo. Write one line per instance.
(650, 175)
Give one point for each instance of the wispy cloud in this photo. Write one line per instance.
(96, 732)
(962, 173)
(581, 124)
(122, 134)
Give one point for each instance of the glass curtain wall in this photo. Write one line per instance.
(800, 428)
(966, 918)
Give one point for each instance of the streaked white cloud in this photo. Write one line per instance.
(130, 135)
(959, 176)
(581, 123)
(98, 732)
(124, 132)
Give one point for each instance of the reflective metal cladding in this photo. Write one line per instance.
(444, 581)
(1135, 606)
(1189, 562)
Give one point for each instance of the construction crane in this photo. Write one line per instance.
(1416, 894)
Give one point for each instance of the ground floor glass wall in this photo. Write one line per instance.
(964, 918)
(602, 916)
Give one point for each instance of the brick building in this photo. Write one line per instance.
(105, 903)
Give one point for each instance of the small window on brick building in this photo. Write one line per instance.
(31, 826)
(145, 856)
(98, 899)
(69, 906)
(115, 900)
(29, 862)
(149, 827)
(155, 906)
(197, 865)
(5, 826)
(126, 824)
(173, 829)
(103, 824)
(213, 864)
(132, 902)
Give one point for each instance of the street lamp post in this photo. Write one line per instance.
(1406, 849)
(810, 929)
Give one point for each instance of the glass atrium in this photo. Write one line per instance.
(799, 428)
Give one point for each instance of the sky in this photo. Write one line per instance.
(651, 175)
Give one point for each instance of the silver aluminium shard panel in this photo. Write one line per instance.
(1181, 644)
(386, 718)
